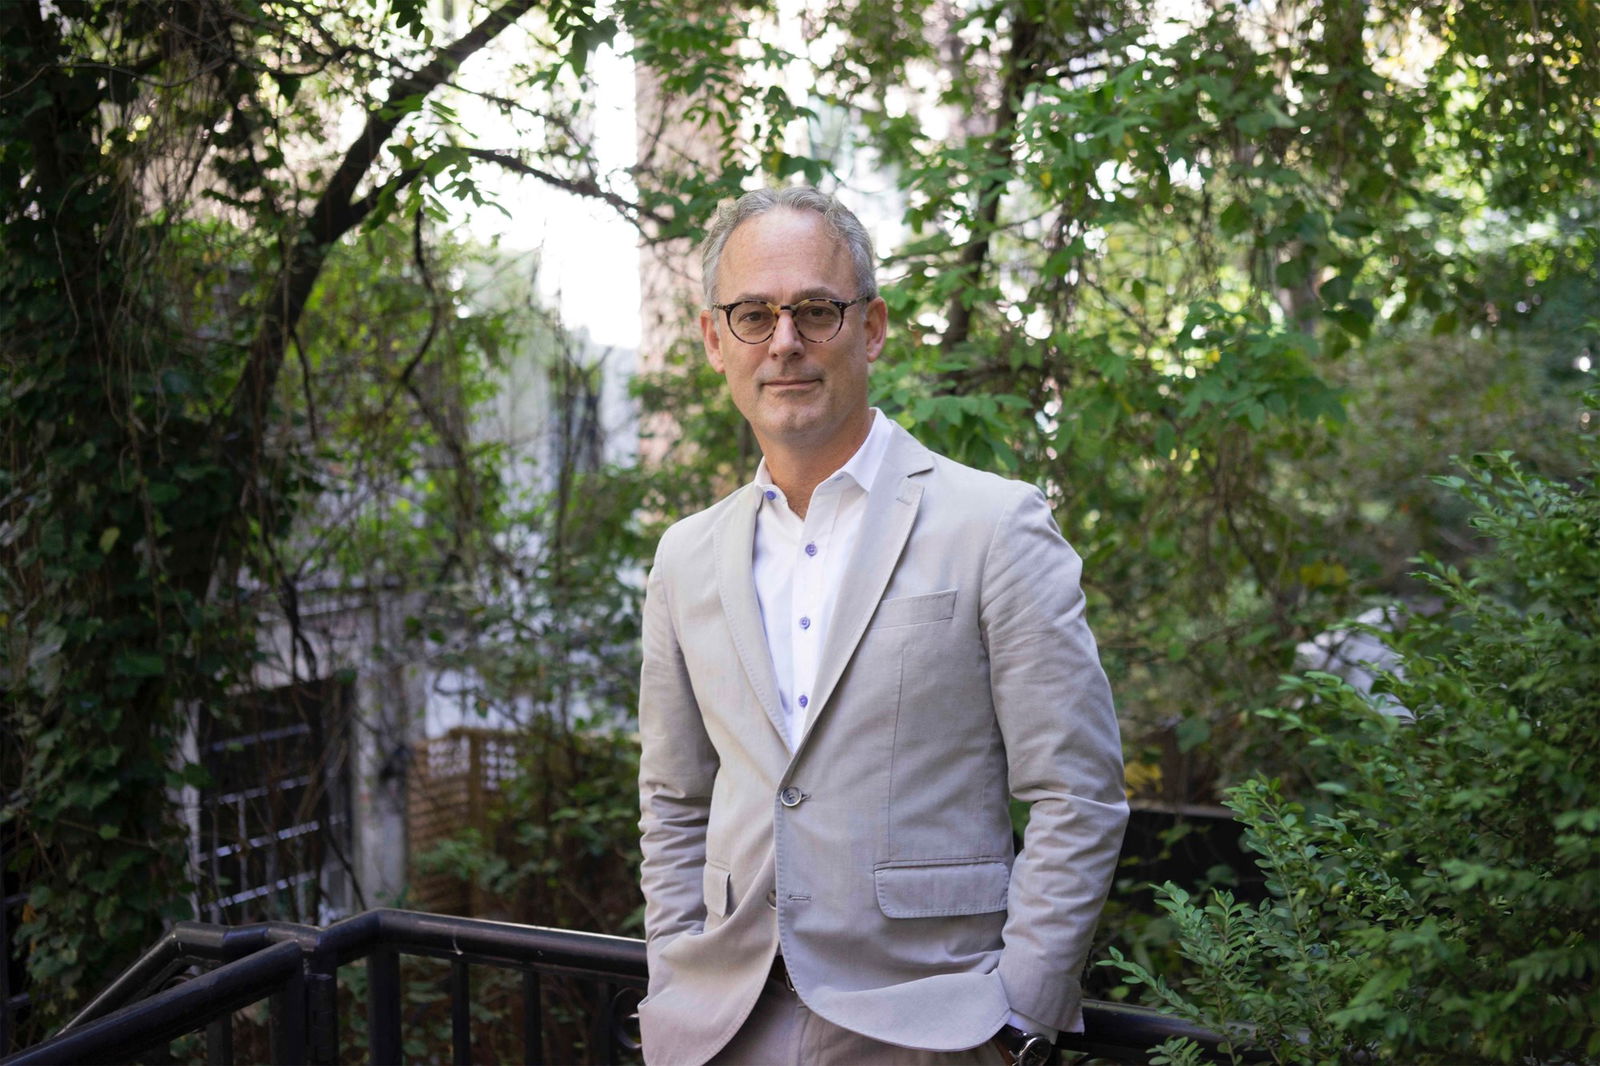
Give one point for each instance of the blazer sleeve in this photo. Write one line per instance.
(1064, 758)
(677, 767)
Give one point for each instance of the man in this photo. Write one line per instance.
(850, 666)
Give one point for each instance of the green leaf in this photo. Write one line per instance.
(1236, 218)
(139, 664)
(1192, 732)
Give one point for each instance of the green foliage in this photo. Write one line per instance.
(113, 508)
(1210, 283)
(235, 376)
(561, 846)
(1440, 900)
(1158, 268)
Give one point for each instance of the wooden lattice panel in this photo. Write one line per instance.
(452, 777)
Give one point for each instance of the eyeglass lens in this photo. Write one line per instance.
(816, 320)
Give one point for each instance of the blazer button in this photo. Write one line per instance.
(772, 898)
(791, 796)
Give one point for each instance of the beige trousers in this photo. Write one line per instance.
(782, 1031)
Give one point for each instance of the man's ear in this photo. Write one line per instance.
(877, 322)
(712, 339)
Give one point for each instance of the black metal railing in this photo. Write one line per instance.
(296, 968)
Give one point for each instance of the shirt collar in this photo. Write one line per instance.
(862, 467)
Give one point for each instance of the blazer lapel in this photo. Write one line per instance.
(891, 512)
(733, 544)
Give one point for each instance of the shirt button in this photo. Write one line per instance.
(771, 495)
(804, 701)
(805, 623)
(791, 796)
(811, 549)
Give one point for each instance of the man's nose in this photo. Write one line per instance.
(785, 339)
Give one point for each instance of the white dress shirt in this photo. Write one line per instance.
(798, 566)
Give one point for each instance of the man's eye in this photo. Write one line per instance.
(752, 316)
(817, 312)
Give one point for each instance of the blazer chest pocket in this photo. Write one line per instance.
(718, 886)
(941, 889)
(913, 610)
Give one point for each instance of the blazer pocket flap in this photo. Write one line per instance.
(910, 610)
(718, 886)
(937, 890)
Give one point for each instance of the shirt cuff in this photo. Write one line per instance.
(1028, 1025)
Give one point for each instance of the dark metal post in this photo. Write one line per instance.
(219, 1041)
(322, 1012)
(288, 1024)
(460, 1013)
(604, 1046)
(383, 1006)
(532, 1019)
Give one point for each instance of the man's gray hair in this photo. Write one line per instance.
(840, 221)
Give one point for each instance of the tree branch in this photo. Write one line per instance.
(577, 186)
(335, 213)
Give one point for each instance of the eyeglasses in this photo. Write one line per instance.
(818, 320)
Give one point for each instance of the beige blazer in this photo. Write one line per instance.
(957, 673)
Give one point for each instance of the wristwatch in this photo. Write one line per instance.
(1026, 1049)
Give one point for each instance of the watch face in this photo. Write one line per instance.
(1035, 1051)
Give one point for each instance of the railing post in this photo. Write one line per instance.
(460, 1013)
(532, 1019)
(604, 1048)
(219, 1041)
(383, 1006)
(322, 1011)
(288, 1022)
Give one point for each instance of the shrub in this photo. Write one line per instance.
(1437, 897)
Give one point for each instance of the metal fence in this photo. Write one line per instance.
(295, 969)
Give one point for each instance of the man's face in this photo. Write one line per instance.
(797, 395)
